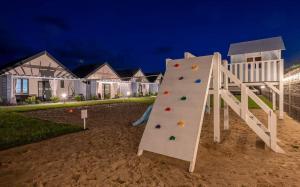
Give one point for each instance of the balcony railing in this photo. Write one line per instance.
(261, 71)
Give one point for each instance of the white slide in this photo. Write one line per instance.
(175, 123)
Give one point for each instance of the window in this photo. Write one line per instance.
(22, 86)
(62, 84)
(257, 58)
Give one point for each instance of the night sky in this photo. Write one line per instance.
(129, 34)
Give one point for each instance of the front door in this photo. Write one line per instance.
(106, 91)
(44, 90)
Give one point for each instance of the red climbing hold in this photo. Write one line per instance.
(168, 109)
(166, 92)
(176, 65)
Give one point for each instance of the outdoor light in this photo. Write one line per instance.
(64, 95)
(262, 87)
(128, 93)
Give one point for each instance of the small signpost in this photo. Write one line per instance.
(84, 116)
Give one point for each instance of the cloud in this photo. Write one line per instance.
(163, 50)
(53, 22)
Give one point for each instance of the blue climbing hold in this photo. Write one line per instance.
(198, 81)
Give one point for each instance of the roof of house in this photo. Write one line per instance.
(127, 74)
(13, 64)
(267, 44)
(86, 70)
(152, 76)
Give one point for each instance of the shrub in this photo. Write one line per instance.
(94, 97)
(54, 99)
(79, 98)
(30, 100)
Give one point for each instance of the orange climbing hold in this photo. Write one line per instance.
(180, 123)
(194, 67)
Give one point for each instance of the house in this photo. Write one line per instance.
(156, 79)
(40, 75)
(140, 85)
(259, 64)
(98, 80)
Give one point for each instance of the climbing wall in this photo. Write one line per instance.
(174, 125)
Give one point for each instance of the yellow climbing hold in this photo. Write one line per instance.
(194, 67)
(180, 123)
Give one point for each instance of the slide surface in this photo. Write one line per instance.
(174, 125)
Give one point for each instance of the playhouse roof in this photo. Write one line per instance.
(267, 44)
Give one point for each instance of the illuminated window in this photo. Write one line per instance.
(22, 86)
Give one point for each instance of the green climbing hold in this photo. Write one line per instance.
(183, 98)
(172, 138)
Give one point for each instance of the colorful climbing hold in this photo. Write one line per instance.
(198, 81)
(194, 67)
(172, 138)
(157, 126)
(180, 123)
(168, 109)
(176, 65)
(183, 98)
(70, 111)
(180, 78)
(166, 92)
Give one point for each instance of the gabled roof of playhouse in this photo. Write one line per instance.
(267, 44)
(13, 64)
(86, 70)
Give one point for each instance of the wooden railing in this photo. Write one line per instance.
(260, 71)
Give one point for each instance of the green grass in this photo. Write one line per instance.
(16, 129)
(253, 105)
(25, 108)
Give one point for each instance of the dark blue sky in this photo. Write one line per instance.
(141, 33)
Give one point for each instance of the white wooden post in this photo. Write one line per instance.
(273, 130)
(244, 102)
(262, 71)
(188, 55)
(268, 70)
(246, 72)
(252, 72)
(216, 85)
(275, 77)
(274, 100)
(242, 72)
(208, 104)
(226, 108)
(257, 72)
(281, 89)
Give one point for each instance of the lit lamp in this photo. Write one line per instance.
(64, 96)
(262, 87)
(128, 93)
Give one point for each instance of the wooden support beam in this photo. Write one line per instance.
(188, 55)
(216, 86)
(226, 107)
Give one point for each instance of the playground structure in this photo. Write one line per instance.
(174, 125)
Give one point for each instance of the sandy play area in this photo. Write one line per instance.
(105, 155)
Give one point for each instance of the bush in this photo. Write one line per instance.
(94, 97)
(30, 100)
(54, 99)
(79, 98)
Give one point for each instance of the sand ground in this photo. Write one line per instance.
(105, 155)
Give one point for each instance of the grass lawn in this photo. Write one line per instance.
(17, 129)
(253, 105)
(25, 108)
